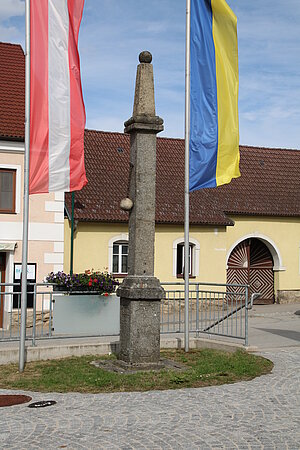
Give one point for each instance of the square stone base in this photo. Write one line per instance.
(139, 331)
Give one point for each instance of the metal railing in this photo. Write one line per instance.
(39, 315)
(214, 309)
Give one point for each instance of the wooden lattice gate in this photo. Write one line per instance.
(251, 263)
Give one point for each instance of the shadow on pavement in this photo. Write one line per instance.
(289, 334)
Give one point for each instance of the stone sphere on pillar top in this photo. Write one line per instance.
(145, 57)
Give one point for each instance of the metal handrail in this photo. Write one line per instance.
(209, 309)
(202, 283)
(254, 296)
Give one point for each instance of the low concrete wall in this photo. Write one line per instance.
(46, 352)
(42, 353)
(292, 296)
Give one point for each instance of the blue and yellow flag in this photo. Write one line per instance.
(214, 125)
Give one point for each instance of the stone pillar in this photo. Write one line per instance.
(140, 293)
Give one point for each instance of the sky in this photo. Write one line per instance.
(114, 32)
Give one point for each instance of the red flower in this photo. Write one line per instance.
(106, 294)
(90, 283)
(95, 280)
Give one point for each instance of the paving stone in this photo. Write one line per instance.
(260, 414)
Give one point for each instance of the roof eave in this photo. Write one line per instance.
(11, 138)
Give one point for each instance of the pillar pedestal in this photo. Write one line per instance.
(140, 320)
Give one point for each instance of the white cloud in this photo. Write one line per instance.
(10, 34)
(113, 32)
(11, 12)
(11, 8)
(106, 123)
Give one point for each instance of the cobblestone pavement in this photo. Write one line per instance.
(261, 414)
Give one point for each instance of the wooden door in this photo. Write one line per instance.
(251, 263)
(261, 275)
(2, 279)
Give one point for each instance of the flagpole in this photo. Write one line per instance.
(186, 193)
(72, 235)
(26, 191)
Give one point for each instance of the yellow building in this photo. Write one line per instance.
(244, 232)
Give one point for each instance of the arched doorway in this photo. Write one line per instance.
(251, 262)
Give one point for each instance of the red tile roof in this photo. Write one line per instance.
(269, 185)
(12, 91)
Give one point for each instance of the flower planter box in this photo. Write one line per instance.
(86, 314)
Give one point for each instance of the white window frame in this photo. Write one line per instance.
(120, 239)
(195, 247)
(120, 254)
(191, 261)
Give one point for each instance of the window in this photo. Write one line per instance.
(180, 260)
(7, 190)
(178, 257)
(120, 257)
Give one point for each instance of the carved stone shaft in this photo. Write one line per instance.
(140, 292)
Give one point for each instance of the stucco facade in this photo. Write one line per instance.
(212, 247)
(46, 225)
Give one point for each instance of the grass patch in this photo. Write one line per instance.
(203, 368)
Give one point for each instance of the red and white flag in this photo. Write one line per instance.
(57, 114)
